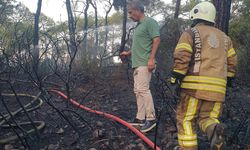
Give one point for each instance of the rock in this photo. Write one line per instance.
(60, 131)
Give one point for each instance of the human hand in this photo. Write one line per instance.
(175, 86)
(151, 65)
(125, 53)
(175, 81)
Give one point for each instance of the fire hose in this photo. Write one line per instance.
(4, 118)
(115, 118)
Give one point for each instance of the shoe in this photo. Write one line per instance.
(218, 141)
(137, 122)
(149, 124)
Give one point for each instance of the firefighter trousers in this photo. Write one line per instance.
(191, 113)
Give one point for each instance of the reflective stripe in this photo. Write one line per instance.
(205, 87)
(187, 137)
(205, 79)
(214, 114)
(184, 46)
(216, 111)
(172, 80)
(188, 143)
(180, 71)
(231, 52)
(208, 123)
(230, 74)
(191, 110)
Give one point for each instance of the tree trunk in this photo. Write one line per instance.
(96, 28)
(85, 30)
(36, 35)
(123, 39)
(72, 48)
(223, 14)
(177, 9)
(106, 25)
(71, 25)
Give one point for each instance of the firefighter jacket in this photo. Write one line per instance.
(205, 57)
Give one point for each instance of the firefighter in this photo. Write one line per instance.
(204, 64)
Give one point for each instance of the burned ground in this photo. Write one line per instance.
(69, 127)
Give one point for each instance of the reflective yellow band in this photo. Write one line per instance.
(180, 71)
(208, 123)
(216, 110)
(230, 74)
(214, 114)
(231, 52)
(172, 80)
(188, 143)
(206, 79)
(191, 110)
(184, 46)
(205, 87)
(187, 137)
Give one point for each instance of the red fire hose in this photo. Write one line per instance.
(142, 136)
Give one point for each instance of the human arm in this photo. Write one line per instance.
(182, 57)
(125, 53)
(231, 64)
(151, 60)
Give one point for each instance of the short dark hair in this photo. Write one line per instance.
(136, 5)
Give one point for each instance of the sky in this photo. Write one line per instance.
(55, 9)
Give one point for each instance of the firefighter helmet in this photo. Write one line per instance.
(205, 11)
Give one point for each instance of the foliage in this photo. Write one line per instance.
(240, 33)
(156, 7)
(115, 18)
(118, 4)
(6, 9)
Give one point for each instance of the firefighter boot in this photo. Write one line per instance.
(217, 141)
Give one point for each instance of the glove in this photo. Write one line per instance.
(176, 78)
(175, 81)
(230, 81)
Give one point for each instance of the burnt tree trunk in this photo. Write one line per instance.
(223, 14)
(36, 36)
(85, 29)
(71, 26)
(177, 9)
(106, 25)
(125, 16)
(94, 5)
(72, 47)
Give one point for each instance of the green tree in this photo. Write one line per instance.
(240, 33)
(6, 9)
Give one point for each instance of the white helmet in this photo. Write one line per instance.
(205, 11)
